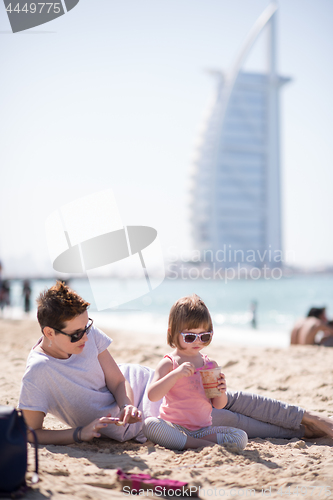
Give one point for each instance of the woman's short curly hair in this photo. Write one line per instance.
(188, 312)
(59, 304)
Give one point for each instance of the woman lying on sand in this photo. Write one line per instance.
(71, 375)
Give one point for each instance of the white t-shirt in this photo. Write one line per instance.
(74, 389)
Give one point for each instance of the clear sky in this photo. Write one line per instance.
(113, 94)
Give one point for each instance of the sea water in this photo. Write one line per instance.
(280, 302)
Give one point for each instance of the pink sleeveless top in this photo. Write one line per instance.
(186, 404)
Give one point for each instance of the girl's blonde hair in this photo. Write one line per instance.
(188, 312)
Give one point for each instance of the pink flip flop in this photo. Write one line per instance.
(138, 482)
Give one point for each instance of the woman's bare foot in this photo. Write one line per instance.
(311, 433)
(316, 425)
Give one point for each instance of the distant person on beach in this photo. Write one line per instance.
(306, 329)
(253, 309)
(327, 341)
(1, 292)
(4, 294)
(185, 419)
(71, 374)
(26, 292)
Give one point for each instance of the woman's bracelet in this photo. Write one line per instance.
(77, 435)
(124, 406)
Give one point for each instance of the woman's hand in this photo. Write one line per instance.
(221, 383)
(185, 369)
(130, 415)
(90, 431)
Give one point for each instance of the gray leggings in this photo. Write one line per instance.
(260, 417)
(174, 436)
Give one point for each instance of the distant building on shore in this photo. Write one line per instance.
(235, 179)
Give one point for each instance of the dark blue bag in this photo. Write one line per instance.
(13, 453)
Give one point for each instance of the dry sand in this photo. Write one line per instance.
(301, 375)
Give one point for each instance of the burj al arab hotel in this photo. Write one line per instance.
(235, 178)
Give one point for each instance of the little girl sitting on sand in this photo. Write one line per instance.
(185, 415)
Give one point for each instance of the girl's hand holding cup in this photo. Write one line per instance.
(221, 383)
(185, 369)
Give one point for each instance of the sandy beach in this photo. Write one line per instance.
(266, 468)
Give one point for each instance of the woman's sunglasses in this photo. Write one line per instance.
(189, 338)
(75, 337)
